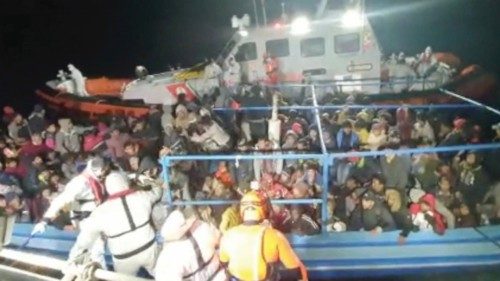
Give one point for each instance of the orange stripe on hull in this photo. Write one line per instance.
(93, 109)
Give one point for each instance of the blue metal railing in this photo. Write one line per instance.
(351, 106)
(327, 159)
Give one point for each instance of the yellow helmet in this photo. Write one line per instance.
(253, 207)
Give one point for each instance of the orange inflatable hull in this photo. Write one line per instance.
(90, 107)
(106, 87)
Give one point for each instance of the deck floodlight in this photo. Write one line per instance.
(352, 18)
(300, 26)
(241, 24)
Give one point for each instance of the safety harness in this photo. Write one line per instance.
(133, 227)
(199, 260)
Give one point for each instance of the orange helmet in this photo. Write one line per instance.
(254, 207)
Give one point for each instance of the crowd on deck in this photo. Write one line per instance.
(419, 192)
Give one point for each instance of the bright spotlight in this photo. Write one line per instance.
(300, 26)
(352, 18)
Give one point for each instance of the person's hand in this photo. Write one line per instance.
(165, 151)
(401, 240)
(39, 228)
(376, 230)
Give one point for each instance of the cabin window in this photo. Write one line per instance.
(346, 43)
(278, 48)
(246, 52)
(312, 47)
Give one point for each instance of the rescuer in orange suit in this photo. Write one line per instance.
(272, 68)
(253, 250)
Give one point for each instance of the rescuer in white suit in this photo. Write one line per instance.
(78, 80)
(189, 251)
(84, 192)
(125, 220)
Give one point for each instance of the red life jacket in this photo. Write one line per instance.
(97, 188)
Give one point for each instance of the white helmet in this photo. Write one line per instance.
(95, 166)
(116, 182)
(176, 226)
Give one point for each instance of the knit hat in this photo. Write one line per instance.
(176, 226)
(369, 195)
(416, 194)
(297, 128)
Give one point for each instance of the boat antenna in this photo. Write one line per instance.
(255, 13)
(284, 16)
(264, 15)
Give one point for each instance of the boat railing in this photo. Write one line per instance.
(326, 159)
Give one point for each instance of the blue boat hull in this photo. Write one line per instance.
(349, 254)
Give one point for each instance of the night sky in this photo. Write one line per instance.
(111, 37)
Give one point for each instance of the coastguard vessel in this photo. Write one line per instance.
(338, 49)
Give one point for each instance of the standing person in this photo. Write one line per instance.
(125, 220)
(239, 246)
(189, 252)
(86, 192)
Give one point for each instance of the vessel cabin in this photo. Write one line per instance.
(325, 49)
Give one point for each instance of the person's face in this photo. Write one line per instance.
(55, 179)
(290, 140)
(139, 126)
(376, 132)
(350, 184)
(367, 204)
(444, 184)
(470, 159)
(313, 134)
(18, 118)
(301, 146)
(424, 207)
(36, 139)
(295, 213)
(130, 150)
(464, 210)
(37, 161)
(222, 166)
(377, 186)
(445, 169)
(51, 128)
(311, 174)
(284, 177)
(347, 130)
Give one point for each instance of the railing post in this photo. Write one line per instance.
(324, 196)
(165, 163)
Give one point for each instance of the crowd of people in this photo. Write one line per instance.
(424, 191)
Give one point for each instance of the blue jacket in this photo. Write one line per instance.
(352, 143)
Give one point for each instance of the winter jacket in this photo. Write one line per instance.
(352, 141)
(378, 216)
(36, 123)
(396, 172)
(403, 221)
